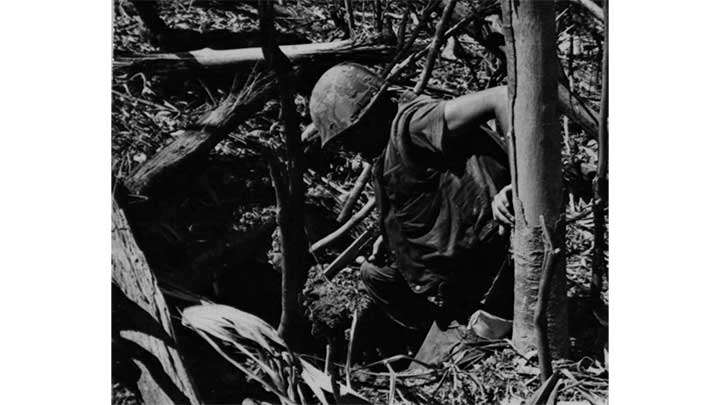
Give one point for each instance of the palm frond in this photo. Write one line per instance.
(255, 348)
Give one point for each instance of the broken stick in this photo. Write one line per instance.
(348, 255)
(354, 220)
(355, 192)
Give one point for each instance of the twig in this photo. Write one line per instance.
(333, 377)
(543, 393)
(328, 352)
(395, 358)
(413, 36)
(139, 100)
(438, 40)
(348, 254)
(349, 17)
(355, 192)
(350, 349)
(415, 56)
(335, 235)
(391, 391)
(402, 27)
(579, 215)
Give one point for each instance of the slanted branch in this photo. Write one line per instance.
(200, 138)
(354, 220)
(355, 192)
(438, 41)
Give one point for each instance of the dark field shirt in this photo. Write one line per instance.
(434, 199)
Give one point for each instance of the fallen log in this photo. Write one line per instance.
(200, 138)
(141, 322)
(325, 52)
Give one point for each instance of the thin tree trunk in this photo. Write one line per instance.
(600, 183)
(535, 145)
(438, 41)
(291, 200)
(141, 322)
(569, 104)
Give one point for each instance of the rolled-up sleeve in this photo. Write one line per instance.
(427, 126)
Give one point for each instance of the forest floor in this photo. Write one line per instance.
(214, 236)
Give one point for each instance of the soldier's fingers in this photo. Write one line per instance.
(505, 214)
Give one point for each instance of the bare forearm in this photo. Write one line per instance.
(465, 113)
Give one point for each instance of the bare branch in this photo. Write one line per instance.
(438, 41)
(355, 192)
(354, 220)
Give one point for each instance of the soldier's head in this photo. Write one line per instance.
(347, 109)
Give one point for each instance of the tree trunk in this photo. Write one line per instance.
(569, 104)
(141, 322)
(289, 186)
(535, 144)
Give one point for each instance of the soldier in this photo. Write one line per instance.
(442, 186)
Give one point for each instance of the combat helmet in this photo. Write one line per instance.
(341, 97)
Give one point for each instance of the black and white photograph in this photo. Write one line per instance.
(359, 202)
(295, 202)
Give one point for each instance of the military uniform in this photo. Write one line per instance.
(447, 258)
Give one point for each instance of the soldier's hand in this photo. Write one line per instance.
(502, 209)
